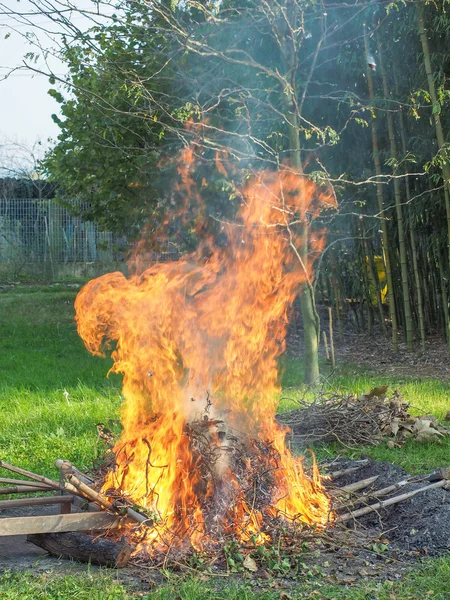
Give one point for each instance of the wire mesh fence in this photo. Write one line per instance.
(40, 237)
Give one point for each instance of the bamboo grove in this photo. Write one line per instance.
(351, 94)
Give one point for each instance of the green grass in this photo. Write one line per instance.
(52, 394)
(431, 581)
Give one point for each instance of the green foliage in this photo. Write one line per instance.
(113, 129)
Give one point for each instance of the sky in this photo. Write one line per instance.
(25, 106)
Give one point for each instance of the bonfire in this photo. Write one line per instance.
(197, 342)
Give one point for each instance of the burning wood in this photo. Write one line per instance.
(197, 342)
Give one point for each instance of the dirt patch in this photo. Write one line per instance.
(376, 353)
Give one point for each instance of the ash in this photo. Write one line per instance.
(419, 525)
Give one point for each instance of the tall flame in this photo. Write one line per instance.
(197, 342)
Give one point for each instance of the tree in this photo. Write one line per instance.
(251, 85)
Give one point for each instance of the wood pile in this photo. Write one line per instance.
(364, 420)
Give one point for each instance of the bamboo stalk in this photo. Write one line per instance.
(382, 492)
(358, 485)
(398, 208)
(23, 489)
(382, 213)
(35, 501)
(100, 499)
(66, 465)
(442, 277)
(343, 472)
(330, 322)
(53, 484)
(389, 502)
(336, 299)
(325, 343)
(90, 493)
(412, 234)
(373, 273)
(365, 277)
(437, 118)
(43, 486)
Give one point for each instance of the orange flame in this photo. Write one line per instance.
(197, 342)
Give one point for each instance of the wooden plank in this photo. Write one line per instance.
(59, 523)
(35, 501)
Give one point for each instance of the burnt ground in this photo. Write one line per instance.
(377, 547)
(419, 525)
(385, 543)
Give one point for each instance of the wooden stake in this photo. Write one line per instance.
(325, 343)
(389, 502)
(24, 489)
(330, 315)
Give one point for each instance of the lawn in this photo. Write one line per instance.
(52, 395)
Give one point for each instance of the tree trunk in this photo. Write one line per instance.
(399, 210)
(437, 121)
(412, 236)
(384, 237)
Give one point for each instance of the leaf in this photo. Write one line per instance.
(395, 425)
(250, 564)
(424, 431)
(378, 391)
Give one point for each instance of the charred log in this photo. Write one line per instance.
(84, 548)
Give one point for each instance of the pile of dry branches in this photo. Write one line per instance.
(359, 420)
